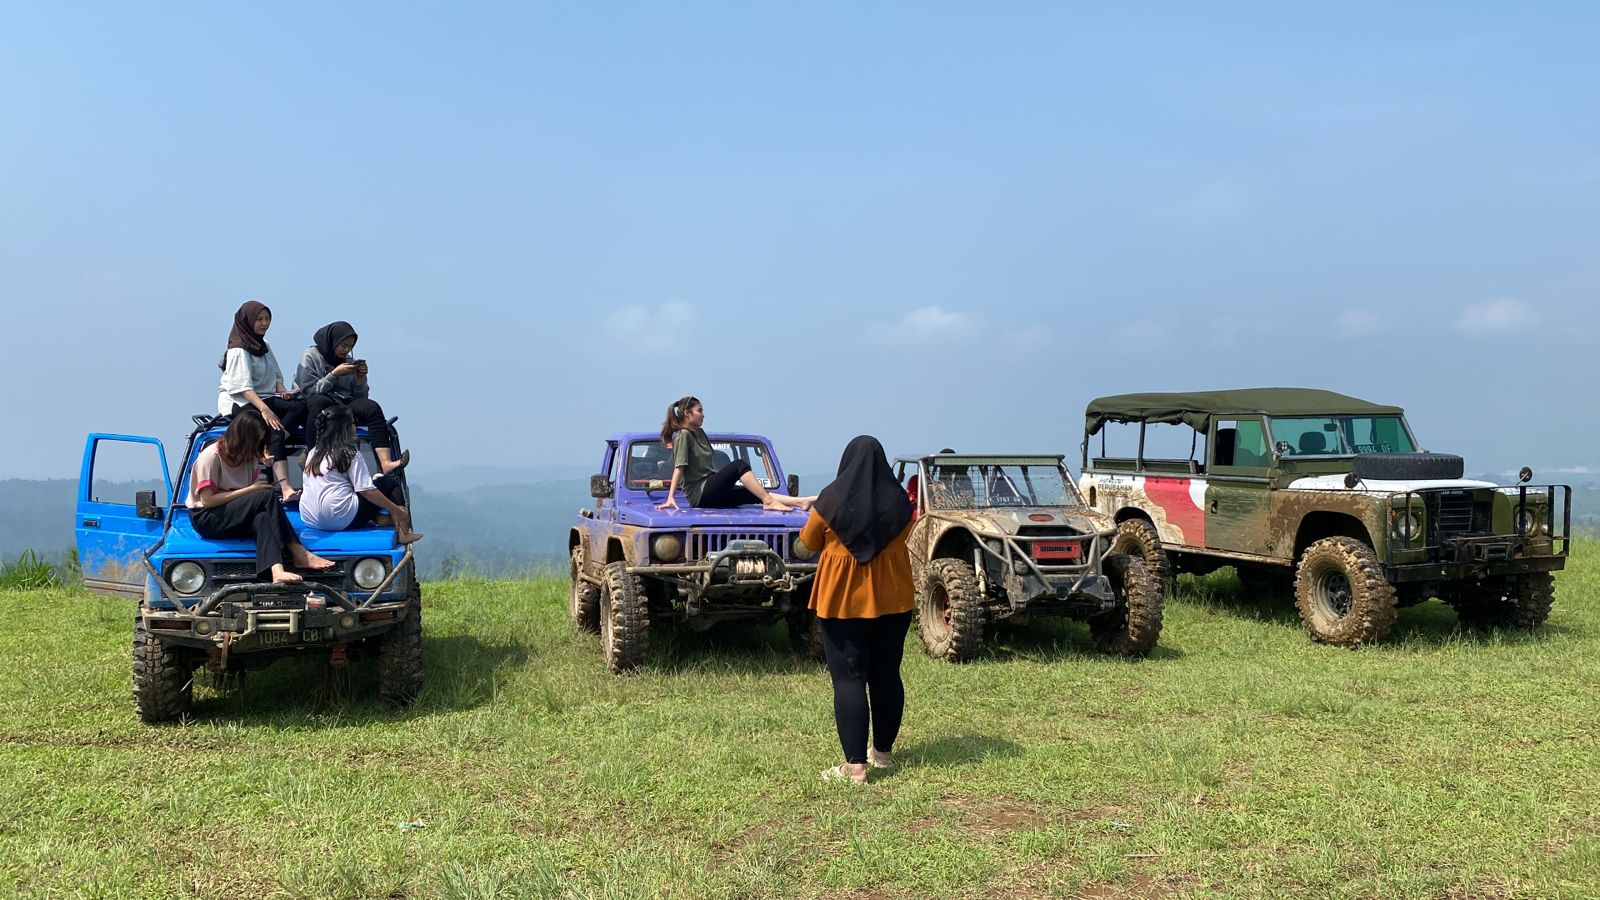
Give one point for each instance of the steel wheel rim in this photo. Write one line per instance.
(1334, 593)
(939, 609)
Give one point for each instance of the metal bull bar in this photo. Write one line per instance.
(1416, 500)
(1093, 555)
(343, 599)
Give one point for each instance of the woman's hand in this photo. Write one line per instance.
(670, 503)
(271, 418)
(343, 369)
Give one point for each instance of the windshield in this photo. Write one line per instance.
(650, 463)
(1341, 435)
(981, 485)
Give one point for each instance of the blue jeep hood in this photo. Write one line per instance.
(184, 543)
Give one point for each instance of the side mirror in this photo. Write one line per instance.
(600, 487)
(1524, 476)
(144, 503)
(794, 485)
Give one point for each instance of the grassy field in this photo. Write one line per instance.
(1238, 761)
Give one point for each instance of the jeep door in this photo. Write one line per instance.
(114, 524)
(1238, 490)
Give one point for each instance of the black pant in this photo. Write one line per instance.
(260, 515)
(292, 413)
(366, 510)
(366, 412)
(864, 656)
(723, 489)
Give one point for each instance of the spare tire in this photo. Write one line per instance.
(1409, 466)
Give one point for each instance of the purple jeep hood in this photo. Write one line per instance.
(644, 513)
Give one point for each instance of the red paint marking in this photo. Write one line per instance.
(1171, 495)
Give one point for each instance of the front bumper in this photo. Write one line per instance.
(1459, 570)
(248, 617)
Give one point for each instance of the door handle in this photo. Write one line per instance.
(91, 523)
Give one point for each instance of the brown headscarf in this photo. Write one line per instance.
(244, 334)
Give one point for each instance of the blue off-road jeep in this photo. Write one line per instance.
(200, 603)
(635, 567)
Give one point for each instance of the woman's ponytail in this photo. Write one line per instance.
(676, 413)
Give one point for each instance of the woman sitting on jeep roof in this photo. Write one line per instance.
(707, 486)
(251, 379)
(329, 377)
(226, 501)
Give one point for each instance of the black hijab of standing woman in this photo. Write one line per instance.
(865, 506)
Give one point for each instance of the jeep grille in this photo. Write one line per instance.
(1457, 513)
(226, 572)
(705, 543)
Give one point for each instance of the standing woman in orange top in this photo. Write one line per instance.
(863, 597)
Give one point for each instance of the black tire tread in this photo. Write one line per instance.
(627, 614)
(1139, 537)
(583, 598)
(163, 683)
(1134, 627)
(1523, 604)
(1373, 603)
(400, 656)
(964, 638)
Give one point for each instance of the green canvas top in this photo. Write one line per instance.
(1196, 409)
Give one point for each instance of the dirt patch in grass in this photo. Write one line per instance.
(994, 815)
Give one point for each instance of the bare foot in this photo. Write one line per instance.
(280, 575)
(290, 496)
(879, 760)
(407, 537)
(305, 559)
(774, 506)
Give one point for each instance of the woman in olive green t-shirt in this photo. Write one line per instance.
(693, 469)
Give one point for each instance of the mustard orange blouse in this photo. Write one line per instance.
(845, 589)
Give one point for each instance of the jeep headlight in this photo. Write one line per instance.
(801, 551)
(1407, 525)
(368, 573)
(1531, 520)
(667, 547)
(187, 577)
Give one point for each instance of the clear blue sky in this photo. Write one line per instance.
(942, 224)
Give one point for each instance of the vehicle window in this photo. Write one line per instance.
(122, 468)
(983, 486)
(1241, 443)
(650, 462)
(1340, 435)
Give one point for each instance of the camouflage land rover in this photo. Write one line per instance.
(1331, 491)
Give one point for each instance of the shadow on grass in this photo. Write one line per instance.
(1054, 639)
(728, 647)
(1431, 623)
(958, 750)
(459, 672)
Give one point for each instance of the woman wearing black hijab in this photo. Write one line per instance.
(251, 379)
(328, 376)
(863, 596)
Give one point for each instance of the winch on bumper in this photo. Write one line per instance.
(245, 617)
(743, 568)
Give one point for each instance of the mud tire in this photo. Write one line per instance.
(1521, 602)
(624, 620)
(583, 598)
(1133, 628)
(805, 635)
(1342, 595)
(163, 682)
(400, 656)
(1138, 537)
(950, 615)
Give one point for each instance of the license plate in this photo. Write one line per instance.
(1057, 550)
(266, 639)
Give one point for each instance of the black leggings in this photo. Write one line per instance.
(365, 410)
(366, 510)
(864, 656)
(259, 515)
(723, 489)
(292, 413)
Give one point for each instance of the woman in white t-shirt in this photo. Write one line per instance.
(339, 492)
(251, 379)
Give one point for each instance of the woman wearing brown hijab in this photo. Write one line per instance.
(863, 597)
(251, 378)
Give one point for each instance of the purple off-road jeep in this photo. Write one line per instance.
(634, 566)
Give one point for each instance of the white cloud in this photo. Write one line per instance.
(1493, 316)
(932, 322)
(1357, 322)
(672, 320)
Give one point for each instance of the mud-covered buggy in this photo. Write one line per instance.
(1000, 538)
